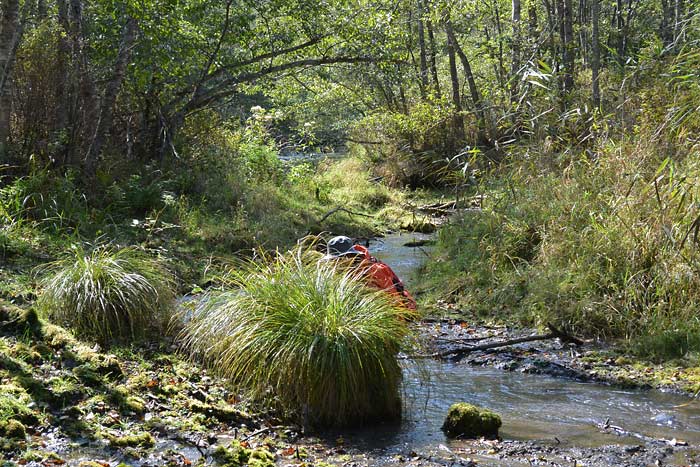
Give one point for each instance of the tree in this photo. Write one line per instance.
(9, 38)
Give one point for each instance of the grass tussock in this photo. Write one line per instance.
(310, 331)
(107, 294)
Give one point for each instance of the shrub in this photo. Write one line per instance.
(313, 333)
(107, 293)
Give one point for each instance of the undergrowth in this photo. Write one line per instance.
(602, 239)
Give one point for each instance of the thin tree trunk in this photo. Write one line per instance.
(566, 34)
(9, 31)
(66, 88)
(86, 114)
(677, 19)
(515, 49)
(104, 123)
(41, 10)
(458, 119)
(433, 56)
(423, 54)
(473, 90)
(620, 30)
(666, 33)
(595, 49)
(499, 35)
(549, 8)
(532, 22)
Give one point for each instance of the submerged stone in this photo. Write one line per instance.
(470, 421)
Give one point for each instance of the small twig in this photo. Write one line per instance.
(259, 432)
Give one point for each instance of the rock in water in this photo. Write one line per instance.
(470, 421)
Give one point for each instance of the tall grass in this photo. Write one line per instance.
(107, 294)
(311, 332)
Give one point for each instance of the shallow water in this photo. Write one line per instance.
(533, 407)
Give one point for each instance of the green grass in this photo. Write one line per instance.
(308, 330)
(107, 294)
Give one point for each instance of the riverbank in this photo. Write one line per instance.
(593, 361)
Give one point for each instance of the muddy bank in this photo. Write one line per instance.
(593, 361)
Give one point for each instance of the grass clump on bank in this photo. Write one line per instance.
(314, 334)
(108, 294)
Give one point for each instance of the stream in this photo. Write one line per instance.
(557, 411)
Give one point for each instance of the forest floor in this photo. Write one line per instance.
(76, 404)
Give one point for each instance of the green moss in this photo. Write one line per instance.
(470, 421)
(88, 376)
(236, 455)
(144, 440)
(122, 396)
(14, 402)
(261, 458)
(221, 412)
(13, 429)
(233, 456)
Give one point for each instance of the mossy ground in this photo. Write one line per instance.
(63, 400)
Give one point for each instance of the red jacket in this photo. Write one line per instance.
(382, 277)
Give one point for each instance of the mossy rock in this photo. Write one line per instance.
(469, 421)
(221, 412)
(236, 455)
(15, 320)
(13, 429)
(144, 440)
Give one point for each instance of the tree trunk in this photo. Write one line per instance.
(678, 16)
(595, 51)
(499, 36)
(9, 31)
(473, 90)
(458, 119)
(532, 22)
(515, 49)
(85, 112)
(620, 30)
(666, 33)
(104, 123)
(423, 54)
(433, 57)
(566, 34)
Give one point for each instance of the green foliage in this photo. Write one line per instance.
(108, 294)
(313, 333)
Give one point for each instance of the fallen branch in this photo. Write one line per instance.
(459, 351)
(340, 208)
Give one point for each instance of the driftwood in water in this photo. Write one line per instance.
(459, 351)
(340, 208)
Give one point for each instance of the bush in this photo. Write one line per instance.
(106, 293)
(314, 334)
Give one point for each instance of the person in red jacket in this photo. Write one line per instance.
(379, 274)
